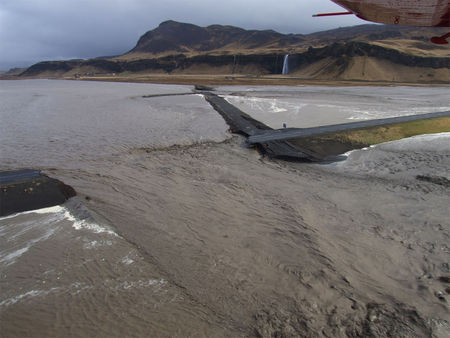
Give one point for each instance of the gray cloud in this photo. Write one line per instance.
(35, 30)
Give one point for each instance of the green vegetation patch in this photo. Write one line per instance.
(338, 143)
(397, 131)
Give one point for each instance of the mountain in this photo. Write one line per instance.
(366, 52)
(171, 36)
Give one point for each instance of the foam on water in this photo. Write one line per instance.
(74, 289)
(157, 284)
(127, 260)
(8, 258)
(56, 209)
(97, 244)
(25, 234)
(29, 294)
(268, 105)
(86, 224)
(60, 213)
(359, 114)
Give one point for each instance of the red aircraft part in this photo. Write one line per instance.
(440, 40)
(423, 13)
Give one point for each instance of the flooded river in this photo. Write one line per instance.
(179, 230)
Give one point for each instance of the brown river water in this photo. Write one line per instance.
(180, 230)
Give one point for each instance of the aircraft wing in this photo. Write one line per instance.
(425, 13)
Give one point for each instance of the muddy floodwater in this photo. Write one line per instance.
(180, 230)
(311, 106)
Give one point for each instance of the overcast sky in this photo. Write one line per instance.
(37, 30)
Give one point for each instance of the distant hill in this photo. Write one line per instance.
(12, 72)
(365, 52)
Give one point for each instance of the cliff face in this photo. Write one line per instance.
(345, 51)
(262, 63)
(340, 58)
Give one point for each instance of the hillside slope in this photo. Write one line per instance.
(365, 52)
(172, 37)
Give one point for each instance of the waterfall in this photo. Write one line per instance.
(285, 65)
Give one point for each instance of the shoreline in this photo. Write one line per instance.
(235, 80)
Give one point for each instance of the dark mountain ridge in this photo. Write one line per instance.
(184, 37)
(172, 36)
(349, 52)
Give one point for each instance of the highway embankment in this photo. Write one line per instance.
(321, 143)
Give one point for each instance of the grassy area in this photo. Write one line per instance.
(338, 143)
(396, 131)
